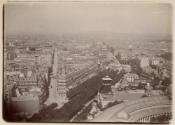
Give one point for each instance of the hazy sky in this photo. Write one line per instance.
(66, 17)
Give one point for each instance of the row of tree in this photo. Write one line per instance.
(85, 92)
(116, 76)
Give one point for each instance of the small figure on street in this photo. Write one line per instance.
(148, 89)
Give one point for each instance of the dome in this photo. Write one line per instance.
(106, 78)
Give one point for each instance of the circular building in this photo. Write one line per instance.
(142, 110)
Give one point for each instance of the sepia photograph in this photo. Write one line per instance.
(87, 62)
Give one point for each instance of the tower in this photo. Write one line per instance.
(130, 51)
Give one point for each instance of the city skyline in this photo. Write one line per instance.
(87, 62)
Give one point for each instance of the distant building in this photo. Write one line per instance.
(115, 65)
(131, 77)
(27, 78)
(124, 57)
(148, 70)
(126, 68)
(11, 55)
(144, 62)
(104, 52)
(157, 61)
